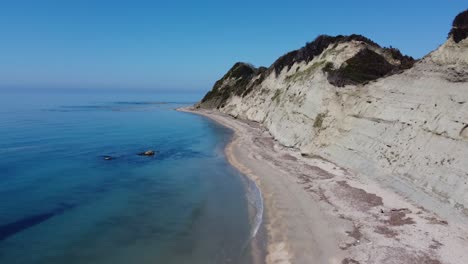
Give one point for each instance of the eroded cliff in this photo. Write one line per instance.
(369, 109)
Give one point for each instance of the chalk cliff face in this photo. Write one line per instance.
(370, 109)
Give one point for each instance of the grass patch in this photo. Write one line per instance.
(301, 75)
(333, 51)
(319, 120)
(328, 67)
(276, 96)
(313, 49)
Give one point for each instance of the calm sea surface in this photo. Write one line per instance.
(62, 202)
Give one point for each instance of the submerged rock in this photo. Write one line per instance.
(147, 153)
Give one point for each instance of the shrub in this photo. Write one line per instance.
(237, 81)
(328, 67)
(276, 96)
(319, 120)
(313, 49)
(459, 29)
(366, 66)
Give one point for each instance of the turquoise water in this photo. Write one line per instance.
(62, 202)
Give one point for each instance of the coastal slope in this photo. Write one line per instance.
(359, 150)
(369, 109)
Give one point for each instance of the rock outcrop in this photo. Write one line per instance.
(369, 109)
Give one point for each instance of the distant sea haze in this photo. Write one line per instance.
(64, 202)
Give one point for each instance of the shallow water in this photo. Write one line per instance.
(61, 202)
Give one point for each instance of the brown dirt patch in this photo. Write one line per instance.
(435, 244)
(289, 157)
(358, 197)
(313, 156)
(349, 261)
(265, 142)
(304, 179)
(435, 221)
(356, 234)
(318, 172)
(397, 217)
(403, 256)
(386, 231)
(428, 260)
(319, 192)
(252, 123)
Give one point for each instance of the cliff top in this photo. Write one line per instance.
(459, 29)
(313, 49)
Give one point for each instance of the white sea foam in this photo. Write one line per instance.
(255, 200)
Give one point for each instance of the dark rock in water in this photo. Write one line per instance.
(459, 30)
(147, 153)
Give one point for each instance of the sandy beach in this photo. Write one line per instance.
(317, 212)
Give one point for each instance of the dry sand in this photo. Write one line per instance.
(317, 212)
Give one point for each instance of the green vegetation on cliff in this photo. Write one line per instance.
(366, 66)
(459, 30)
(313, 49)
(236, 81)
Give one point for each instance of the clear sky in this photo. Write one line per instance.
(188, 45)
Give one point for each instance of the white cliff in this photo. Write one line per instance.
(407, 130)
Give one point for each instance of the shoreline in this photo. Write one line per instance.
(317, 212)
(258, 242)
(276, 248)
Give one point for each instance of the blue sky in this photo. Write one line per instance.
(188, 45)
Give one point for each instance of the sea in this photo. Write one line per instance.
(73, 188)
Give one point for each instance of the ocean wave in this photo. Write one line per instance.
(255, 200)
